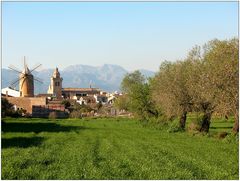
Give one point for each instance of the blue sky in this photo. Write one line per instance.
(134, 35)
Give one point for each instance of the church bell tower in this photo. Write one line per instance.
(55, 86)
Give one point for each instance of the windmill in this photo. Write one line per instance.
(25, 79)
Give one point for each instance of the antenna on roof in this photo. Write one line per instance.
(90, 84)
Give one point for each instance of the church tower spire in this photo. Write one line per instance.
(55, 86)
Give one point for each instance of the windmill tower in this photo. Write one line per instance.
(26, 80)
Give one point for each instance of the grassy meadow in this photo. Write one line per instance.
(112, 148)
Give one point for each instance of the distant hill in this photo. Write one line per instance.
(107, 77)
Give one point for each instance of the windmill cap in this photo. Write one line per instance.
(26, 70)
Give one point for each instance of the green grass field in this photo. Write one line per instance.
(217, 124)
(111, 149)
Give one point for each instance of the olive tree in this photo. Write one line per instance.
(221, 59)
(136, 89)
(213, 80)
(198, 89)
(169, 90)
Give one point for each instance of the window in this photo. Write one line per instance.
(81, 94)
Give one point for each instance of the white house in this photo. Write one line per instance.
(101, 99)
(8, 91)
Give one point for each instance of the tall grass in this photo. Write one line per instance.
(110, 148)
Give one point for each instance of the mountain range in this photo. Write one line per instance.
(107, 77)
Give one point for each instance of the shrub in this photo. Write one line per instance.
(66, 103)
(75, 114)
(52, 115)
(98, 106)
(222, 135)
(104, 110)
(231, 138)
(6, 107)
(82, 108)
(22, 112)
(159, 123)
(174, 126)
(27, 115)
(15, 114)
(195, 125)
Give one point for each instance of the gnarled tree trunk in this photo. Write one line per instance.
(206, 119)
(183, 119)
(206, 122)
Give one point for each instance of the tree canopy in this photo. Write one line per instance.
(205, 81)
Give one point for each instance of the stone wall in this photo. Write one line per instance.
(27, 102)
(45, 111)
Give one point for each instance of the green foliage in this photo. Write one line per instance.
(206, 81)
(169, 88)
(174, 127)
(159, 123)
(231, 138)
(99, 106)
(138, 98)
(6, 107)
(8, 110)
(195, 125)
(110, 149)
(79, 111)
(52, 115)
(82, 108)
(131, 80)
(5, 104)
(122, 102)
(104, 111)
(66, 103)
(75, 114)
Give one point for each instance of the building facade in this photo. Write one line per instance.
(77, 93)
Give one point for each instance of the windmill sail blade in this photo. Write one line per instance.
(37, 79)
(12, 67)
(15, 81)
(35, 67)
